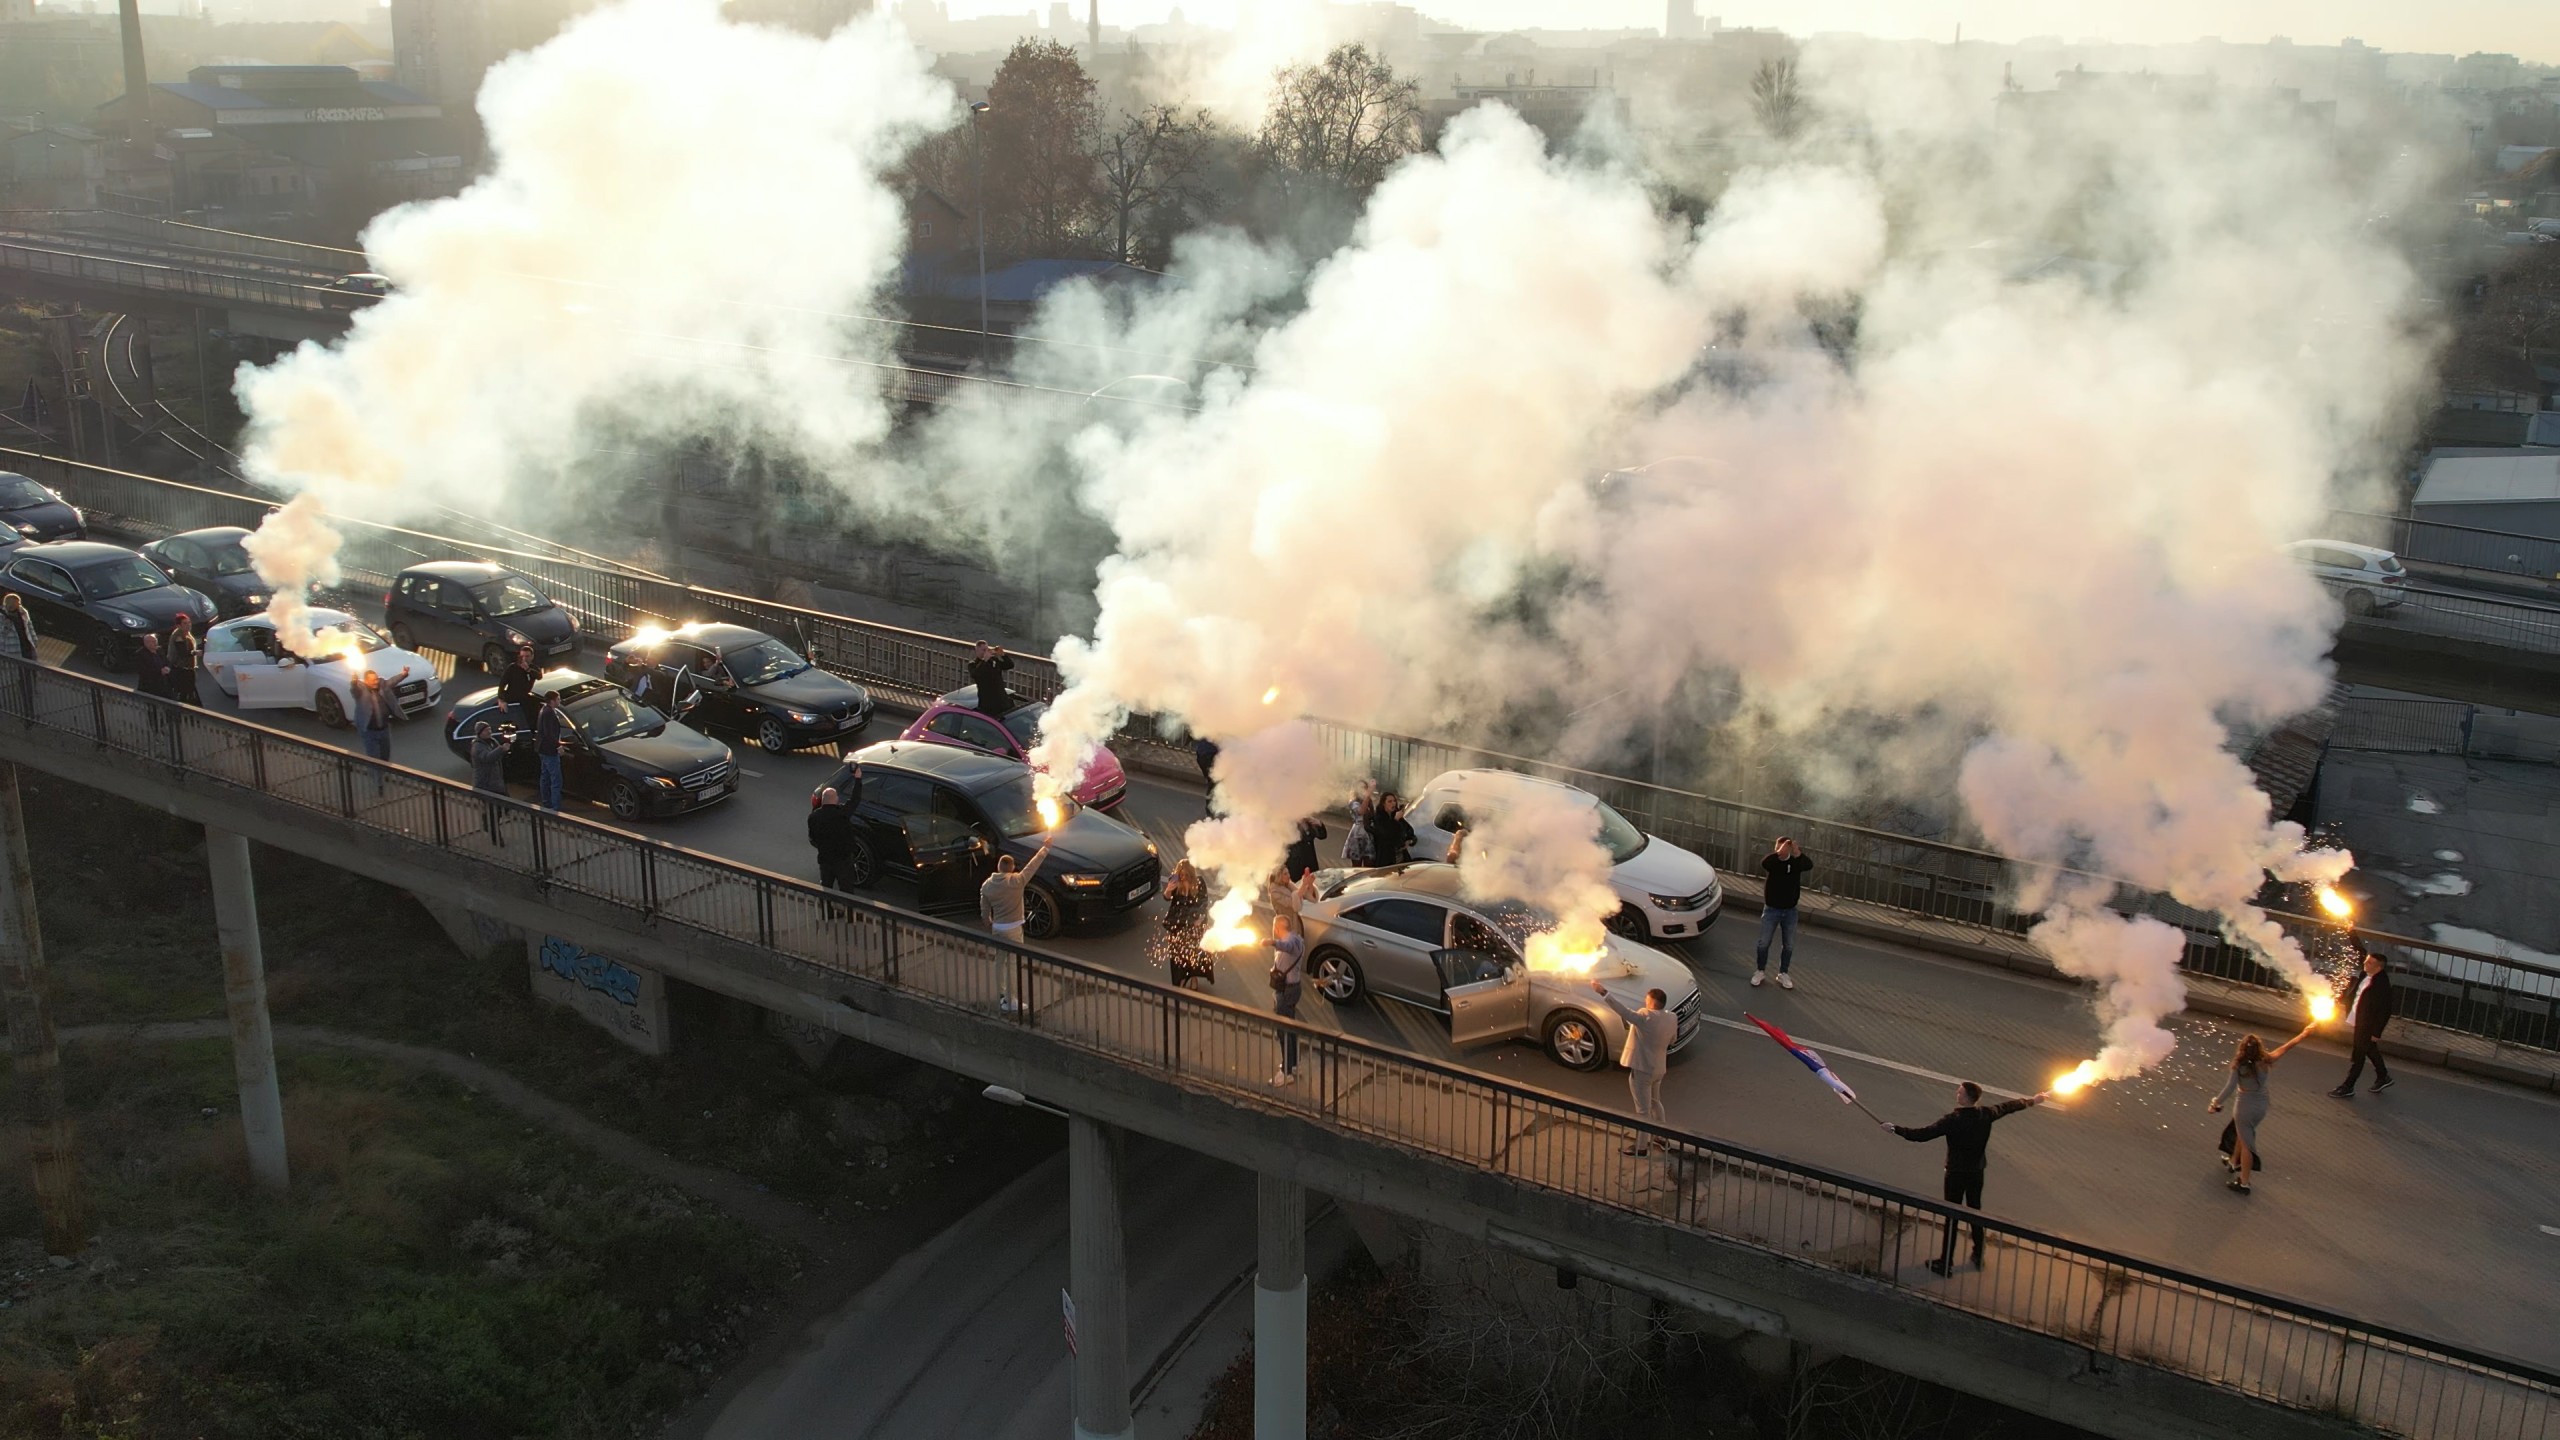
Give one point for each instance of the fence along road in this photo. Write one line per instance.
(2130, 1313)
(2503, 1002)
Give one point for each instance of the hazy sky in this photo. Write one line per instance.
(2530, 28)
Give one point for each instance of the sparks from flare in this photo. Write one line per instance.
(2336, 903)
(1566, 949)
(1230, 923)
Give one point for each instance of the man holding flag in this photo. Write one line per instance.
(1967, 1130)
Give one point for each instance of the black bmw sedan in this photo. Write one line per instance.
(631, 758)
(750, 684)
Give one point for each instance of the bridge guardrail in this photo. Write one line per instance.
(2505, 1001)
(162, 279)
(2129, 1310)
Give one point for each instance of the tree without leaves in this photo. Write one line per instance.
(1039, 152)
(2518, 317)
(1151, 176)
(1345, 119)
(1777, 97)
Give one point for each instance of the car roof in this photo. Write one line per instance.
(75, 553)
(1494, 783)
(551, 680)
(473, 570)
(966, 698)
(320, 620)
(212, 532)
(970, 770)
(1432, 878)
(2370, 552)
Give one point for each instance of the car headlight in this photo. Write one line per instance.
(1081, 882)
(515, 639)
(132, 622)
(662, 782)
(1668, 902)
(800, 717)
(26, 529)
(254, 597)
(572, 618)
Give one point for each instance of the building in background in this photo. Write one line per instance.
(312, 140)
(50, 166)
(2517, 492)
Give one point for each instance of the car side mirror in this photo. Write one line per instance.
(688, 704)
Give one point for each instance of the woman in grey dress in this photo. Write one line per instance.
(2250, 1069)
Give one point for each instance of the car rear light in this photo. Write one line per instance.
(386, 599)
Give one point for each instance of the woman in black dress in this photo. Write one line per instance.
(1186, 917)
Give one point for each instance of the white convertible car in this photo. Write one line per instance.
(246, 660)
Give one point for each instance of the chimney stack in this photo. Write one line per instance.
(1093, 26)
(137, 81)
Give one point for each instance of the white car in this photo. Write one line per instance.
(1669, 893)
(247, 662)
(2364, 578)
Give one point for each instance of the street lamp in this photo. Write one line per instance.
(978, 163)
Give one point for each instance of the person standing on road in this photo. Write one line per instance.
(515, 687)
(373, 713)
(489, 774)
(150, 671)
(1781, 893)
(987, 667)
(2367, 1013)
(1390, 834)
(1967, 1130)
(1000, 899)
(183, 653)
(1185, 920)
(1301, 859)
(550, 745)
(1355, 836)
(18, 640)
(1651, 1027)
(1288, 984)
(831, 835)
(2251, 1064)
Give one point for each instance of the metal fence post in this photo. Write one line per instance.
(648, 881)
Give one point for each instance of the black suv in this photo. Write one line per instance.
(749, 684)
(104, 598)
(1097, 866)
(631, 757)
(475, 611)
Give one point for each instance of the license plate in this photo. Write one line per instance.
(1141, 893)
(564, 647)
(709, 791)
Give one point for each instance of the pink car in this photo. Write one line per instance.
(955, 720)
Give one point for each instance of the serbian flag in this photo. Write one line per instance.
(1812, 1061)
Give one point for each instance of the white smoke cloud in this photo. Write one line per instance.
(680, 216)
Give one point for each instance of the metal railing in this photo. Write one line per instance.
(2506, 1002)
(2113, 1305)
(178, 235)
(143, 275)
(2445, 727)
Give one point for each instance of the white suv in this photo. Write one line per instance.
(2365, 578)
(1669, 893)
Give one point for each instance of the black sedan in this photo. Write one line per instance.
(909, 796)
(620, 752)
(213, 561)
(32, 512)
(103, 598)
(750, 684)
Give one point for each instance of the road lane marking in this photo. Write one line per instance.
(2551, 1229)
(1831, 1050)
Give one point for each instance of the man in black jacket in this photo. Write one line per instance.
(1967, 1129)
(986, 671)
(2367, 1013)
(1785, 866)
(831, 835)
(1301, 856)
(515, 688)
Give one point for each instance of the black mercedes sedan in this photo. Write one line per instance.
(903, 792)
(213, 561)
(631, 758)
(750, 684)
(33, 512)
(103, 598)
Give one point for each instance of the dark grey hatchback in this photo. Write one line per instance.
(32, 512)
(475, 611)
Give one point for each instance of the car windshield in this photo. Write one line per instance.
(1622, 840)
(18, 492)
(763, 662)
(1025, 723)
(508, 595)
(127, 575)
(1014, 809)
(227, 558)
(612, 715)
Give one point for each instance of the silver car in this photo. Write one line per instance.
(1406, 933)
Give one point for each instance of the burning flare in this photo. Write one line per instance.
(2337, 904)
(2076, 1079)
(1570, 949)
(1230, 923)
(1271, 694)
(1051, 812)
(2324, 1008)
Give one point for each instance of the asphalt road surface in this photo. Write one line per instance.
(2367, 1207)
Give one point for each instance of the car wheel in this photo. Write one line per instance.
(2359, 602)
(404, 637)
(1041, 917)
(111, 651)
(1630, 923)
(1574, 1041)
(624, 798)
(861, 864)
(773, 737)
(1337, 976)
(492, 659)
(326, 705)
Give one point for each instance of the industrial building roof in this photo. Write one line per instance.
(2525, 476)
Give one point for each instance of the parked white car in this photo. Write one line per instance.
(2365, 578)
(1669, 893)
(250, 665)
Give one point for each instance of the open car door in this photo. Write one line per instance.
(945, 852)
(265, 684)
(1487, 993)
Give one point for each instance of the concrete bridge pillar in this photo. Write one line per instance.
(1097, 1280)
(1280, 1311)
(244, 986)
(26, 993)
